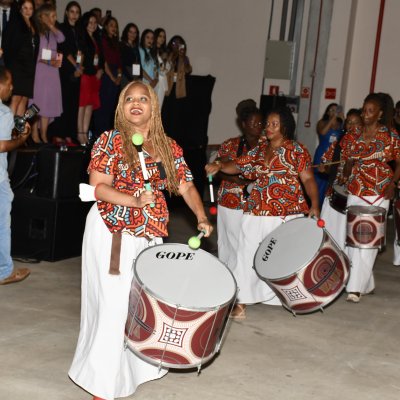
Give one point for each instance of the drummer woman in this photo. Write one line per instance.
(278, 166)
(118, 228)
(335, 221)
(370, 181)
(232, 191)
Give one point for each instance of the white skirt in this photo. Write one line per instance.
(335, 223)
(252, 232)
(362, 260)
(101, 365)
(229, 222)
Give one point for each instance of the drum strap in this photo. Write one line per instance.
(369, 202)
(115, 253)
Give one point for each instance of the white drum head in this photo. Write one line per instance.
(288, 248)
(179, 275)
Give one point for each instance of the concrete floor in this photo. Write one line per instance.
(351, 351)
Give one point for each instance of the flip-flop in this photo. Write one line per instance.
(238, 313)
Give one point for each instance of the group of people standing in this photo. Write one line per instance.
(263, 176)
(75, 70)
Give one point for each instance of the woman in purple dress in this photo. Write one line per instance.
(47, 86)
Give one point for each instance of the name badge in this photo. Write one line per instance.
(46, 54)
(135, 69)
(96, 60)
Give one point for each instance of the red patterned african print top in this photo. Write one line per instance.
(147, 222)
(277, 190)
(370, 174)
(230, 194)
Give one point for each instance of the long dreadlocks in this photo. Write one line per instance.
(161, 142)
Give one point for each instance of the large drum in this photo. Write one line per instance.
(338, 200)
(366, 227)
(179, 305)
(302, 265)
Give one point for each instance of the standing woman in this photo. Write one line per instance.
(279, 167)
(65, 127)
(335, 221)
(370, 180)
(131, 67)
(180, 67)
(160, 48)
(47, 86)
(20, 45)
(329, 130)
(101, 365)
(93, 64)
(111, 79)
(148, 58)
(232, 192)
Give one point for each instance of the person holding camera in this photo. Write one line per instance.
(8, 274)
(329, 130)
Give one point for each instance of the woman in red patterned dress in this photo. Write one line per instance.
(370, 180)
(232, 191)
(278, 166)
(123, 218)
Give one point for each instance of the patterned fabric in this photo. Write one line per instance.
(230, 194)
(277, 190)
(107, 158)
(370, 174)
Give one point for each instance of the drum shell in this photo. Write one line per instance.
(316, 283)
(366, 229)
(171, 335)
(338, 200)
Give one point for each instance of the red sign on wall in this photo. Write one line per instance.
(330, 93)
(305, 92)
(273, 90)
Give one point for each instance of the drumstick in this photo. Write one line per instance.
(137, 140)
(194, 242)
(213, 209)
(327, 164)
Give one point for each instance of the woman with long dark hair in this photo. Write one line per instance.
(160, 48)
(111, 80)
(131, 66)
(148, 58)
(65, 127)
(20, 45)
(93, 69)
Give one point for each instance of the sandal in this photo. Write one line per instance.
(17, 276)
(238, 312)
(82, 138)
(353, 297)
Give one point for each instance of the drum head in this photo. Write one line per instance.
(288, 248)
(179, 275)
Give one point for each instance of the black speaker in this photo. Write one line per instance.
(60, 172)
(47, 229)
(22, 168)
